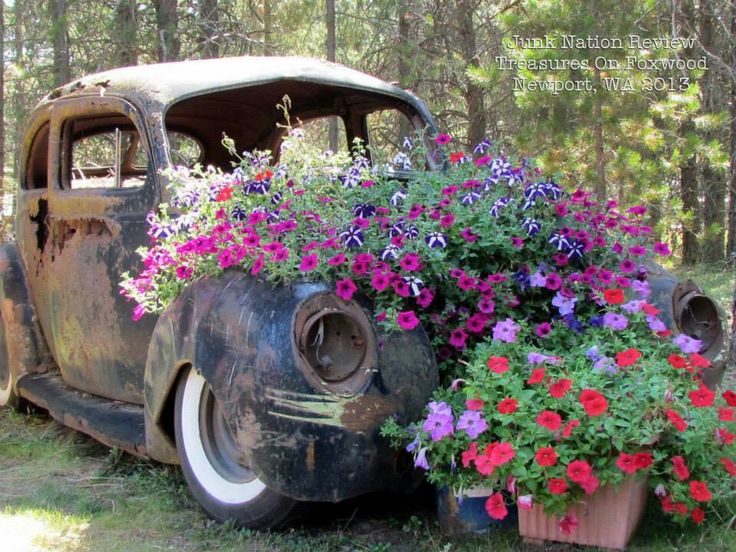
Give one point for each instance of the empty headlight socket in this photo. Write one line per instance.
(335, 343)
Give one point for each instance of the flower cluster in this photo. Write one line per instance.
(559, 373)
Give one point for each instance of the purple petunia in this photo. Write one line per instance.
(472, 423)
(615, 321)
(439, 421)
(688, 344)
(566, 305)
(505, 330)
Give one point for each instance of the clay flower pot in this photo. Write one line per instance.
(607, 519)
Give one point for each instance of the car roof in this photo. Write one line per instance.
(167, 83)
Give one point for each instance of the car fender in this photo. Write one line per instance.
(301, 440)
(27, 349)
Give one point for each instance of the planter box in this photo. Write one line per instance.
(607, 519)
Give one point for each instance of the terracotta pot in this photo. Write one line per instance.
(607, 519)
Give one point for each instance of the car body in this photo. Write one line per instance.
(227, 381)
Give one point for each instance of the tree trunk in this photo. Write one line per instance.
(267, 38)
(2, 106)
(19, 104)
(403, 55)
(689, 196)
(714, 184)
(60, 40)
(167, 22)
(600, 159)
(331, 51)
(473, 92)
(731, 248)
(208, 20)
(126, 32)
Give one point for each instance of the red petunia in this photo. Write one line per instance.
(569, 426)
(590, 485)
(697, 515)
(557, 486)
(676, 361)
(550, 420)
(469, 455)
(560, 388)
(456, 156)
(483, 464)
(508, 406)
(699, 361)
(699, 491)
(499, 365)
(725, 436)
(579, 471)
(627, 357)
(626, 463)
(546, 456)
(726, 414)
(643, 460)
(501, 454)
(474, 404)
(537, 376)
(496, 507)
(614, 296)
(676, 420)
(680, 468)
(702, 397)
(730, 397)
(729, 465)
(593, 402)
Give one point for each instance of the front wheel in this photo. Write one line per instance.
(210, 460)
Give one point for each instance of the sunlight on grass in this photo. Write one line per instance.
(34, 530)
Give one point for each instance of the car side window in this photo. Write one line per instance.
(388, 131)
(317, 133)
(103, 152)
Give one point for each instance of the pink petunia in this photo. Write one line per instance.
(407, 320)
(345, 289)
(309, 263)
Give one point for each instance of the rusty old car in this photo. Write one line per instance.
(226, 382)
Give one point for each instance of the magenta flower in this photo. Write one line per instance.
(638, 250)
(257, 265)
(411, 262)
(466, 283)
(449, 190)
(442, 139)
(380, 281)
(472, 423)
(458, 338)
(401, 288)
(184, 272)
(661, 248)
(308, 263)
(407, 320)
(637, 210)
(505, 330)
(345, 289)
(447, 220)
(543, 330)
(517, 242)
(415, 211)
(468, 235)
(280, 255)
(553, 281)
(476, 323)
(627, 266)
(456, 273)
(337, 260)
(425, 298)
(486, 305)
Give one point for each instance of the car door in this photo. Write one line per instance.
(94, 220)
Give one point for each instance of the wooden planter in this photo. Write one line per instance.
(607, 519)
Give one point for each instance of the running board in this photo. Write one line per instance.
(116, 424)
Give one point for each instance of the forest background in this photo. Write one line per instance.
(654, 122)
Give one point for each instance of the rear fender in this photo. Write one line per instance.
(27, 349)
